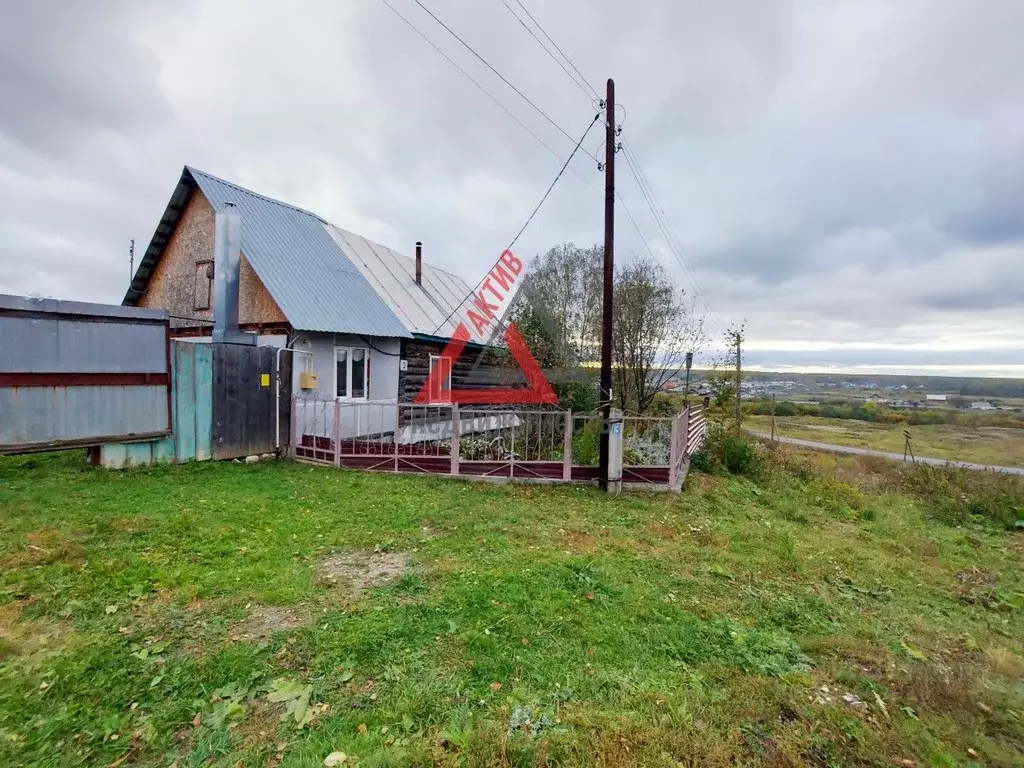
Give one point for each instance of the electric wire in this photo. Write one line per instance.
(663, 222)
(530, 218)
(540, 42)
(657, 210)
(482, 89)
(560, 51)
(487, 64)
(661, 219)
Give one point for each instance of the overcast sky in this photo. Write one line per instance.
(846, 176)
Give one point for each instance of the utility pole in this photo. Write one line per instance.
(609, 278)
(131, 259)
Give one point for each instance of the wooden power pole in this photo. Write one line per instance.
(609, 279)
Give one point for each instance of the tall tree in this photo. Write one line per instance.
(559, 314)
(562, 294)
(653, 329)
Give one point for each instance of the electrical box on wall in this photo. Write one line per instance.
(403, 365)
(308, 380)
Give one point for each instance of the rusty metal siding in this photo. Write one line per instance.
(78, 374)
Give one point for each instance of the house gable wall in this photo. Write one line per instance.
(172, 286)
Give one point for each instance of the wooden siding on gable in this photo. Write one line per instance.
(172, 286)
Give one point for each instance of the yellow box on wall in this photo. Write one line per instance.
(308, 381)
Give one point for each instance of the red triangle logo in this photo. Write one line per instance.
(436, 388)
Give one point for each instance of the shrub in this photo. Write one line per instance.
(701, 461)
(585, 443)
(956, 496)
(739, 456)
(644, 450)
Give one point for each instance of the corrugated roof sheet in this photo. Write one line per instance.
(312, 280)
(427, 309)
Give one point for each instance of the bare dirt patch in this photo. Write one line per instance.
(264, 620)
(21, 636)
(355, 572)
(44, 547)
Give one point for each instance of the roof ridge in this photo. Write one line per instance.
(399, 253)
(240, 188)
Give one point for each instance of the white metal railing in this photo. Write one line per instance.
(483, 441)
(696, 429)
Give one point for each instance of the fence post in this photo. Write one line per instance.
(512, 450)
(673, 451)
(394, 440)
(455, 441)
(567, 448)
(337, 432)
(615, 426)
(295, 429)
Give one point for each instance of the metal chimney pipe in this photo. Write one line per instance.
(227, 254)
(419, 263)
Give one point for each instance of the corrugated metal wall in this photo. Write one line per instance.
(81, 374)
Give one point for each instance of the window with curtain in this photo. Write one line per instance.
(351, 372)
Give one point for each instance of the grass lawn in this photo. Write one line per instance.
(1002, 446)
(211, 614)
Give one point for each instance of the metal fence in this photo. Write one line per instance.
(471, 441)
(75, 374)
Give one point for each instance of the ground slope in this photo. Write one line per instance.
(174, 615)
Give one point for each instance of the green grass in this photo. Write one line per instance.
(536, 625)
(1002, 446)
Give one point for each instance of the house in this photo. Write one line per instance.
(369, 322)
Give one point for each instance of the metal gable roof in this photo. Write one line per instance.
(312, 280)
(427, 309)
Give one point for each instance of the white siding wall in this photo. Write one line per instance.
(358, 418)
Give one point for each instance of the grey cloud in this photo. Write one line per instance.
(68, 69)
(837, 172)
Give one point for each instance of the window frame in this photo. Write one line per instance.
(435, 396)
(348, 372)
(206, 264)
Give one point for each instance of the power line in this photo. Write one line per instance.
(484, 90)
(568, 60)
(656, 205)
(555, 181)
(645, 187)
(546, 49)
(661, 219)
(522, 229)
(487, 64)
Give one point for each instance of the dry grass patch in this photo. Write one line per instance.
(356, 572)
(44, 547)
(1005, 662)
(265, 620)
(20, 636)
